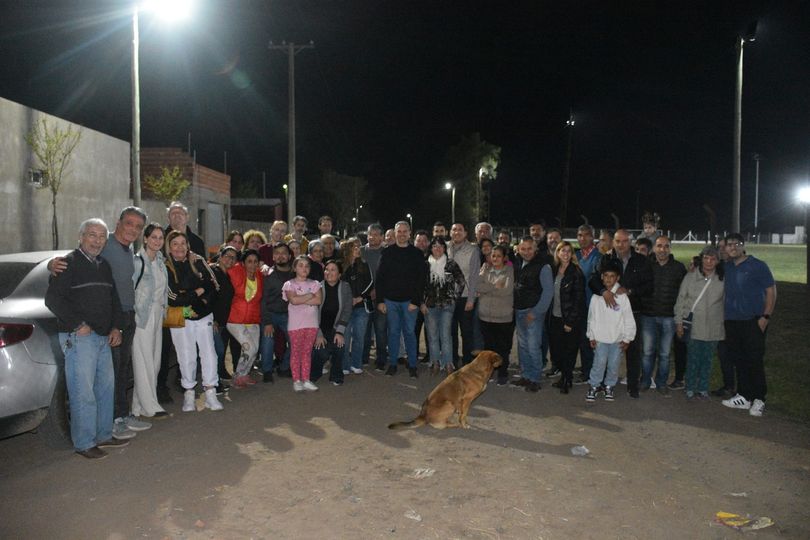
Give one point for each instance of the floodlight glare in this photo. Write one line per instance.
(448, 185)
(803, 195)
(169, 10)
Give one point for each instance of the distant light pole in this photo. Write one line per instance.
(567, 172)
(287, 201)
(452, 190)
(757, 157)
(169, 10)
(479, 194)
(357, 214)
(803, 198)
(410, 219)
(750, 36)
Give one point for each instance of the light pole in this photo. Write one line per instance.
(452, 189)
(803, 198)
(749, 36)
(479, 193)
(567, 172)
(169, 10)
(756, 199)
(410, 219)
(287, 201)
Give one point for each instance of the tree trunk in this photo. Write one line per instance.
(54, 225)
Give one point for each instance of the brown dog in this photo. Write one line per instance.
(455, 394)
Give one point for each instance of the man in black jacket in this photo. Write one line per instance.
(657, 319)
(636, 282)
(274, 312)
(89, 317)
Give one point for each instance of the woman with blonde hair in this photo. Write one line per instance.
(568, 313)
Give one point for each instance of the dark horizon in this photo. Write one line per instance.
(389, 87)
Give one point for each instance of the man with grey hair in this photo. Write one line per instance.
(468, 257)
(371, 254)
(483, 230)
(588, 257)
(178, 221)
(88, 313)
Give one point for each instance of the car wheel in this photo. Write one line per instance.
(55, 428)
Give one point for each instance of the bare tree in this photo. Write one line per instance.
(53, 147)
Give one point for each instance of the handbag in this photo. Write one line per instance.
(174, 317)
(686, 322)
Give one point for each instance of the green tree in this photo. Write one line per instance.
(169, 185)
(470, 165)
(54, 148)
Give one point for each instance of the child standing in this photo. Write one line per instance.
(304, 297)
(610, 330)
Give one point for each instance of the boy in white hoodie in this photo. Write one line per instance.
(610, 331)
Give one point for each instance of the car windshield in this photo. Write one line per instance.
(11, 274)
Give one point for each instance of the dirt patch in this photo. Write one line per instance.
(275, 464)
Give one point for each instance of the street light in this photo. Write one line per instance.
(479, 194)
(567, 172)
(410, 219)
(803, 198)
(750, 36)
(452, 189)
(167, 10)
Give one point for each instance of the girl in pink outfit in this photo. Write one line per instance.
(304, 297)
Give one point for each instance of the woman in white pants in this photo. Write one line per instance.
(191, 286)
(150, 281)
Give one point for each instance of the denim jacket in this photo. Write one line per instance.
(145, 288)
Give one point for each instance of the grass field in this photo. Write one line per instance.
(786, 349)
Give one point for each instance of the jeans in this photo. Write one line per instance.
(606, 355)
(745, 344)
(401, 322)
(380, 330)
(90, 385)
(122, 365)
(219, 347)
(279, 322)
(438, 323)
(462, 321)
(355, 338)
(657, 334)
(530, 335)
(699, 365)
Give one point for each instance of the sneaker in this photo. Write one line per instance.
(211, 401)
(268, 377)
(160, 415)
(623, 380)
(502, 381)
(522, 381)
(133, 424)
(112, 443)
(663, 391)
(690, 395)
(582, 379)
(737, 402)
(121, 431)
(188, 401)
(704, 396)
(222, 388)
(379, 368)
(633, 393)
(412, 373)
(356, 370)
(676, 385)
(225, 376)
(94, 452)
(553, 372)
(346, 372)
(757, 408)
(590, 397)
(298, 386)
(309, 386)
(608, 393)
(652, 386)
(337, 383)
(391, 371)
(532, 386)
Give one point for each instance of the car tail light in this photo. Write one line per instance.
(14, 333)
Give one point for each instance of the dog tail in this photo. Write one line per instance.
(416, 422)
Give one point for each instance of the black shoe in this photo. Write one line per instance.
(520, 382)
(164, 395)
(222, 388)
(402, 360)
(723, 392)
(532, 386)
(379, 368)
(633, 393)
(161, 415)
(503, 381)
(558, 383)
(93, 452)
(412, 373)
(225, 376)
(267, 377)
(676, 385)
(582, 379)
(112, 443)
(425, 359)
(553, 372)
(391, 371)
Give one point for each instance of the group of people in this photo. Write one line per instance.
(293, 305)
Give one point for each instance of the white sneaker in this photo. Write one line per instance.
(757, 408)
(326, 368)
(653, 385)
(356, 370)
(308, 385)
(298, 386)
(188, 401)
(738, 402)
(346, 371)
(211, 401)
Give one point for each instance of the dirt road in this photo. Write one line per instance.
(275, 464)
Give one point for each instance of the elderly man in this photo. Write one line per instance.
(88, 313)
(588, 257)
(483, 230)
(534, 291)
(371, 254)
(636, 282)
(330, 248)
(400, 284)
(658, 315)
(178, 221)
(749, 304)
(468, 257)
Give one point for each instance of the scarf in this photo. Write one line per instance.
(437, 269)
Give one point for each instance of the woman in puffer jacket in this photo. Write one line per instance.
(245, 317)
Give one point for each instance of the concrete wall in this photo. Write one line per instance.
(95, 185)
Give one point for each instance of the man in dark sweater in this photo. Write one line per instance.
(636, 282)
(88, 311)
(371, 254)
(274, 312)
(400, 287)
(658, 315)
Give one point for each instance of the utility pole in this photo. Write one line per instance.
(757, 157)
(291, 49)
(135, 149)
(567, 171)
(749, 37)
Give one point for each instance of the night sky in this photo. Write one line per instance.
(391, 85)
